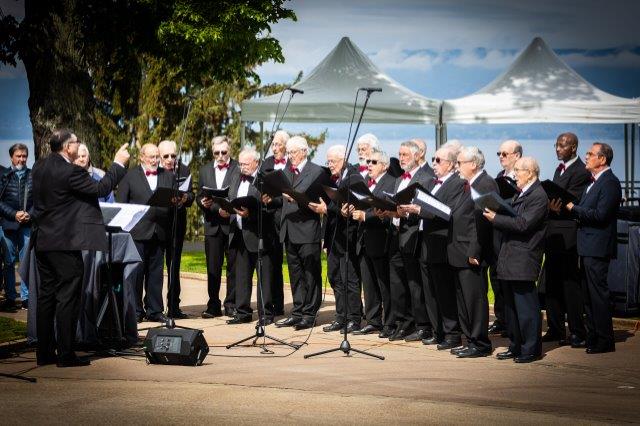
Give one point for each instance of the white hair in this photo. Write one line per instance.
(282, 135)
(369, 139)
(337, 150)
(447, 153)
(85, 147)
(384, 157)
(167, 143)
(473, 153)
(454, 144)
(297, 142)
(413, 147)
(217, 140)
(250, 150)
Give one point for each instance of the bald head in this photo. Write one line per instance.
(167, 150)
(510, 151)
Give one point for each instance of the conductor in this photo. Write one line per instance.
(67, 220)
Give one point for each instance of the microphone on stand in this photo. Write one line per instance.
(370, 89)
(294, 90)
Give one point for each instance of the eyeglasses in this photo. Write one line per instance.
(462, 162)
(332, 162)
(591, 154)
(503, 154)
(374, 162)
(170, 155)
(517, 170)
(216, 153)
(437, 160)
(292, 152)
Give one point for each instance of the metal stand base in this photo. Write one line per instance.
(345, 347)
(261, 334)
(18, 377)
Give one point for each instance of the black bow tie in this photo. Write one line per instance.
(245, 178)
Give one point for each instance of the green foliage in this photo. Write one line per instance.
(11, 330)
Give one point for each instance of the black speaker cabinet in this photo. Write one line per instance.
(175, 346)
(624, 271)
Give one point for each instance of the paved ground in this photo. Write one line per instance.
(415, 384)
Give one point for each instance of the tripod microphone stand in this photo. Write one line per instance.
(260, 326)
(345, 345)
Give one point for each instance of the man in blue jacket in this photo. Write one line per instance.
(16, 208)
(597, 221)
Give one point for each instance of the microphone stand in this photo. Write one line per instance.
(345, 346)
(259, 183)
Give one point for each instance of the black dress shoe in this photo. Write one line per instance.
(496, 328)
(303, 324)
(458, 349)
(46, 359)
(209, 313)
(551, 337)
(433, 340)
(72, 361)
(177, 315)
(505, 355)
(386, 332)
(418, 336)
(472, 352)
(523, 359)
(353, 326)
(140, 318)
(158, 318)
(447, 344)
(367, 329)
(229, 312)
(600, 350)
(400, 334)
(239, 320)
(575, 342)
(334, 326)
(288, 322)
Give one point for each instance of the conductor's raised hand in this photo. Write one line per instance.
(122, 156)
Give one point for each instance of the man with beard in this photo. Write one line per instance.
(365, 145)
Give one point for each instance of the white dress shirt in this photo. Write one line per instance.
(151, 179)
(220, 175)
(243, 190)
(596, 177)
(403, 184)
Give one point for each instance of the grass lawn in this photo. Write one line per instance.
(12, 330)
(195, 262)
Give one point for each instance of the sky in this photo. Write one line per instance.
(439, 48)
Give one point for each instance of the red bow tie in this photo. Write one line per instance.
(467, 186)
(294, 170)
(437, 181)
(371, 182)
(245, 178)
(363, 168)
(406, 175)
(561, 167)
(151, 172)
(280, 161)
(592, 179)
(223, 166)
(335, 178)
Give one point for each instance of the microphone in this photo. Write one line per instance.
(294, 90)
(371, 89)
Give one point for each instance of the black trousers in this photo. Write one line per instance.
(563, 294)
(597, 302)
(61, 275)
(524, 319)
(498, 296)
(377, 294)
(173, 253)
(400, 313)
(344, 278)
(306, 279)
(442, 288)
(216, 247)
(416, 291)
(246, 263)
(473, 307)
(149, 277)
(277, 283)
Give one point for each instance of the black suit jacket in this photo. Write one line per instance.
(463, 241)
(437, 231)
(335, 231)
(486, 238)
(523, 236)
(135, 189)
(409, 230)
(213, 222)
(299, 224)
(373, 232)
(562, 228)
(66, 211)
(597, 217)
(182, 210)
(275, 206)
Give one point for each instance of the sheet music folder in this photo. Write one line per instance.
(121, 216)
(161, 197)
(555, 191)
(492, 201)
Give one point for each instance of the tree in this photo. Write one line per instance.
(99, 67)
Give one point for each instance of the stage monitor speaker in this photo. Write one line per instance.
(175, 346)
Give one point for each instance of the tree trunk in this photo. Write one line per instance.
(60, 89)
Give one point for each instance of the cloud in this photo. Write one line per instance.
(9, 72)
(401, 59)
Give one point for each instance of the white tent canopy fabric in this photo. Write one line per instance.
(540, 88)
(330, 89)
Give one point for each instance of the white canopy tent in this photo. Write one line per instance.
(330, 90)
(539, 87)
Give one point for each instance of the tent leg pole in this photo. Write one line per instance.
(626, 160)
(633, 159)
(262, 133)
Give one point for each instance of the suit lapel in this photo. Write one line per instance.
(303, 174)
(144, 181)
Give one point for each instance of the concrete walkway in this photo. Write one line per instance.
(415, 384)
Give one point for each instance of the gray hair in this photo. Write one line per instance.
(413, 147)
(338, 150)
(297, 142)
(384, 157)
(369, 139)
(473, 153)
(531, 164)
(517, 148)
(453, 144)
(252, 151)
(167, 143)
(217, 140)
(447, 153)
(281, 134)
